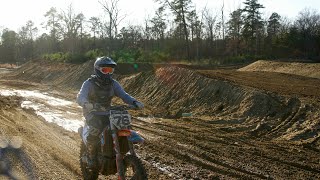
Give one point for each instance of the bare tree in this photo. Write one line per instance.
(196, 26)
(209, 22)
(308, 25)
(115, 18)
(222, 20)
(308, 21)
(29, 31)
(71, 27)
(71, 22)
(147, 33)
(147, 28)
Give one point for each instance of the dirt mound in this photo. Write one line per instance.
(180, 90)
(272, 82)
(53, 73)
(302, 69)
(171, 91)
(176, 90)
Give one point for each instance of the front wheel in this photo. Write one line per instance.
(87, 174)
(134, 169)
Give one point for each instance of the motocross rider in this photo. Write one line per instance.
(96, 94)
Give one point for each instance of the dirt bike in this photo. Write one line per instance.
(117, 154)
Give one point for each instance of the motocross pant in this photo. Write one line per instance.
(95, 126)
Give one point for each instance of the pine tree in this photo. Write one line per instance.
(273, 25)
(235, 25)
(253, 23)
(180, 8)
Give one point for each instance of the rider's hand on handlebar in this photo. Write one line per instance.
(138, 104)
(88, 106)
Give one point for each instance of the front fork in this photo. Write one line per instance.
(119, 156)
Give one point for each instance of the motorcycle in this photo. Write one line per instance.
(119, 157)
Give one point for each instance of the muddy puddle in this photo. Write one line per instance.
(54, 110)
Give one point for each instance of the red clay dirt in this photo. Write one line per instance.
(244, 124)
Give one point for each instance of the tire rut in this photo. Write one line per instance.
(217, 151)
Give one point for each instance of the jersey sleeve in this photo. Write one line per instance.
(119, 92)
(83, 95)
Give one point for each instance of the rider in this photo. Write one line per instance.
(96, 94)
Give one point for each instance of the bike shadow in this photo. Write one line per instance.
(13, 155)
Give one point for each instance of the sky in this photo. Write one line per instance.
(15, 13)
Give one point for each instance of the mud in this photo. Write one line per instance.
(243, 124)
(47, 151)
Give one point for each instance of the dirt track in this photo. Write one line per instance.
(280, 83)
(245, 125)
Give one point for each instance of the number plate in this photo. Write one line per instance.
(121, 119)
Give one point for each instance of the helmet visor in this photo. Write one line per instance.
(106, 70)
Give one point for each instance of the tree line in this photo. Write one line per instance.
(176, 31)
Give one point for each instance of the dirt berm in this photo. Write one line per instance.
(170, 91)
(235, 126)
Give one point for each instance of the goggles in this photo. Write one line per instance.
(106, 70)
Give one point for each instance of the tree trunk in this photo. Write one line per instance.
(185, 33)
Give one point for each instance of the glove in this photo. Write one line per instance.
(88, 106)
(138, 104)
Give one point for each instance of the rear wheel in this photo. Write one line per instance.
(134, 169)
(87, 174)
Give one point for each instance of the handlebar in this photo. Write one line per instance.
(124, 107)
(119, 108)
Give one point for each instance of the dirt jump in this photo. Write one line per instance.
(260, 121)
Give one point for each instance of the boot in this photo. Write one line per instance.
(91, 155)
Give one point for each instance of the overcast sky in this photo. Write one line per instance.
(15, 13)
